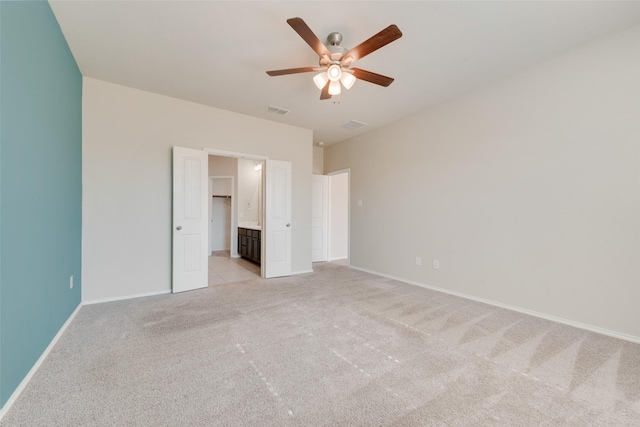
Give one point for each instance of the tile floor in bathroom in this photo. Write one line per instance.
(224, 269)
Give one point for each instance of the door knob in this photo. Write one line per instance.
(288, 225)
(179, 228)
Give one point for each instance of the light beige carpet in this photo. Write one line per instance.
(336, 347)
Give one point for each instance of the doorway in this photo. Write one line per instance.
(222, 268)
(190, 238)
(330, 217)
(261, 202)
(228, 183)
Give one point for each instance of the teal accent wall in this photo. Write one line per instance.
(40, 183)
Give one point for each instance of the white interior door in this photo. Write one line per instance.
(339, 216)
(190, 268)
(277, 227)
(319, 218)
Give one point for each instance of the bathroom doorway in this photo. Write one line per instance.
(191, 173)
(226, 195)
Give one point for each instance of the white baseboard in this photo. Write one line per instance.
(568, 322)
(16, 393)
(218, 250)
(148, 294)
(293, 273)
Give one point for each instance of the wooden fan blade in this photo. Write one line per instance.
(292, 71)
(307, 35)
(370, 77)
(383, 38)
(325, 92)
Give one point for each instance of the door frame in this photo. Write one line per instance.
(234, 230)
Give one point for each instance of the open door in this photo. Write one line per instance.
(319, 218)
(190, 219)
(339, 215)
(277, 226)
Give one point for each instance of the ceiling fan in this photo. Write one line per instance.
(335, 61)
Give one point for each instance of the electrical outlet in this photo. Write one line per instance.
(359, 203)
(436, 264)
(418, 260)
(71, 282)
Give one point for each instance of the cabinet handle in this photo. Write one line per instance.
(179, 228)
(288, 225)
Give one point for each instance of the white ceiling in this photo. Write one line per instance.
(216, 53)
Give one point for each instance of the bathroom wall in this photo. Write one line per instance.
(249, 192)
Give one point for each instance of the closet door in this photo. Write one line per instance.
(319, 218)
(277, 233)
(190, 219)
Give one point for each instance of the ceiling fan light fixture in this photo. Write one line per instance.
(347, 80)
(335, 60)
(334, 88)
(334, 72)
(321, 80)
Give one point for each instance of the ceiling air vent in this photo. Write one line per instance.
(354, 124)
(277, 110)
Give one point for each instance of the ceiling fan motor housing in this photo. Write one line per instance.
(334, 39)
(333, 46)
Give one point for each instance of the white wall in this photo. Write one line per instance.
(221, 186)
(339, 216)
(127, 139)
(249, 189)
(528, 192)
(223, 166)
(318, 160)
